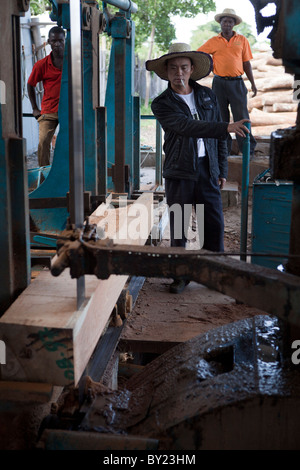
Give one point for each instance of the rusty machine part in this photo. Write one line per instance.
(84, 253)
(230, 388)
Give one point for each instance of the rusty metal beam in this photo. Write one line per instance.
(270, 290)
(267, 289)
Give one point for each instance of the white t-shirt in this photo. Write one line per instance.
(190, 101)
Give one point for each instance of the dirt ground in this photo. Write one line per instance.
(232, 231)
(160, 319)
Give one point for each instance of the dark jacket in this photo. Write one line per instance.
(182, 131)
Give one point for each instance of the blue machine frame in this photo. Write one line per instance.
(271, 220)
(119, 135)
(56, 185)
(14, 234)
(46, 206)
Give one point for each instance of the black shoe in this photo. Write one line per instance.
(178, 286)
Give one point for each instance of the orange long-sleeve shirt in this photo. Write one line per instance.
(228, 56)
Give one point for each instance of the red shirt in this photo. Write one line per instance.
(44, 71)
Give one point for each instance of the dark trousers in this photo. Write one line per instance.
(182, 194)
(233, 93)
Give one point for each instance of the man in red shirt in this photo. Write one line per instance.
(49, 72)
(231, 55)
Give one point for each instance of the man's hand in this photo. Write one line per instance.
(31, 95)
(238, 128)
(248, 70)
(222, 182)
(36, 113)
(254, 90)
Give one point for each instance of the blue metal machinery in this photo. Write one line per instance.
(48, 203)
(271, 220)
(14, 234)
(121, 105)
(108, 133)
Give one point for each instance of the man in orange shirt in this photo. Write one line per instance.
(231, 54)
(49, 72)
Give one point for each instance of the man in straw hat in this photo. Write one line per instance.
(231, 55)
(195, 165)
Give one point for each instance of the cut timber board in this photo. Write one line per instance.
(47, 339)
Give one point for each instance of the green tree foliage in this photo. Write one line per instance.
(37, 7)
(156, 15)
(212, 28)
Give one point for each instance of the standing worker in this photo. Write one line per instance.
(231, 55)
(195, 166)
(49, 72)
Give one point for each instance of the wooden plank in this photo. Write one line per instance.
(108, 343)
(25, 392)
(47, 339)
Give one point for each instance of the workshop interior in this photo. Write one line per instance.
(234, 387)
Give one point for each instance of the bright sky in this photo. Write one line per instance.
(243, 8)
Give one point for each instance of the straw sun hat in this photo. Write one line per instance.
(202, 62)
(228, 12)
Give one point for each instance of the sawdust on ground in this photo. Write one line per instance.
(161, 317)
